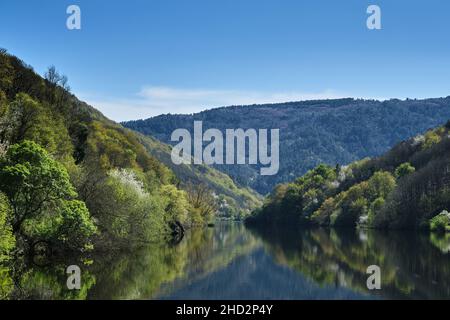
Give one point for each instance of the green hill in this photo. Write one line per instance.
(234, 201)
(311, 132)
(71, 179)
(407, 187)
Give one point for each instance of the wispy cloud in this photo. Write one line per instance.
(154, 100)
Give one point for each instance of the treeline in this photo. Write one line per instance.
(311, 132)
(70, 179)
(408, 187)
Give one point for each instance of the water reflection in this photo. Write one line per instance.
(135, 275)
(232, 262)
(413, 265)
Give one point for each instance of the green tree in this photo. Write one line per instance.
(176, 204)
(33, 181)
(381, 184)
(22, 115)
(204, 203)
(404, 169)
(128, 215)
(431, 138)
(69, 226)
(441, 222)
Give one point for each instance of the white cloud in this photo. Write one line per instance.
(155, 100)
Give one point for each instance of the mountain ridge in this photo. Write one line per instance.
(311, 132)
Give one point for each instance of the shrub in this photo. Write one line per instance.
(431, 138)
(404, 169)
(441, 222)
(127, 214)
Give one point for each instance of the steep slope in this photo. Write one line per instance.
(311, 132)
(234, 201)
(407, 187)
(93, 147)
(70, 178)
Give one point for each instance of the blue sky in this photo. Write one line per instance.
(138, 58)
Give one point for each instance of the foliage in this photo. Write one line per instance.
(71, 226)
(234, 201)
(7, 240)
(26, 118)
(431, 138)
(203, 202)
(297, 201)
(366, 193)
(41, 197)
(441, 222)
(32, 179)
(312, 132)
(126, 213)
(6, 282)
(404, 169)
(74, 178)
(176, 205)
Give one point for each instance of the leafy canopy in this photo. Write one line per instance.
(32, 180)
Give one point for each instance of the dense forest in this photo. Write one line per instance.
(232, 201)
(311, 132)
(407, 187)
(73, 181)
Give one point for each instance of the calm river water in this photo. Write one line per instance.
(230, 261)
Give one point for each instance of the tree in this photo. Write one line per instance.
(404, 169)
(431, 138)
(32, 180)
(128, 215)
(58, 88)
(203, 202)
(68, 226)
(176, 206)
(75, 225)
(27, 119)
(381, 184)
(18, 119)
(441, 222)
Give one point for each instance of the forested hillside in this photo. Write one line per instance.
(311, 132)
(232, 201)
(407, 187)
(70, 179)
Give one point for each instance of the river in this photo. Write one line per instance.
(230, 261)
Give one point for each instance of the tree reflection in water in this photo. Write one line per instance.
(413, 265)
